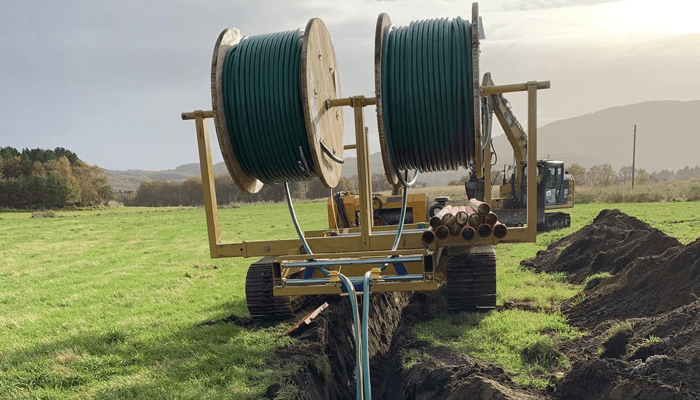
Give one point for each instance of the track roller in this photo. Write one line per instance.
(471, 279)
(262, 304)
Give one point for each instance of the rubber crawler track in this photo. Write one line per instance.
(471, 280)
(262, 304)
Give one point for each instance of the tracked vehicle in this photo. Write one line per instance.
(278, 113)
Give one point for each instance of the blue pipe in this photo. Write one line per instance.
(358, 341)
(401, 220)
(360, 344)
(365, 336)
(304, 243)
(294, 218)
(487, 127)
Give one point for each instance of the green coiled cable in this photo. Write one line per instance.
(427, 95)
(261, 80)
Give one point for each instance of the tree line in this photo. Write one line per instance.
(57, 178)
(160, 193)
(605, 175)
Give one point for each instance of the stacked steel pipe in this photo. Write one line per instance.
(476, 218)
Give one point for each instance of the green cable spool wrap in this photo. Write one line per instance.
(263, 107)
(426, 90)
(269, 96)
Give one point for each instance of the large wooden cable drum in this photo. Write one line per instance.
(428, 94)
(269, 97)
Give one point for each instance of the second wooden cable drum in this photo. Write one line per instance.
(268, 96)
(428, 95)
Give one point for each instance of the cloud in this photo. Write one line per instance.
(115, 75)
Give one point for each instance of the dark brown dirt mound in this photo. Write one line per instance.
(646, 287)
(437, 373)
(643, 323)
(660, 359)
(608, 244)
(443, 374)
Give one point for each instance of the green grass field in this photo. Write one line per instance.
(113, 303)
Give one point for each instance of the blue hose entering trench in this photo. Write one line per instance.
(365, 336)
(363, 383)
(359, 371)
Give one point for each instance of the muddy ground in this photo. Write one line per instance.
(642, 329)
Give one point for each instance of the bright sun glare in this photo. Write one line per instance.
(666, 17)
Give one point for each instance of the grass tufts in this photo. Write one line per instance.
(44, 214)
(595, 279)
(413, 358)
(523, 343)
(322, 366)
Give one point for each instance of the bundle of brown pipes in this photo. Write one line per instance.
(476, 218)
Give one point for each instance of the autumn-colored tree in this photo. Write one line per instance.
(601, 175)
(39, 178)
(579, 174)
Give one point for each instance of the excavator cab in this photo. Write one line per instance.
(554, 186)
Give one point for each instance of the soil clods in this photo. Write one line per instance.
(608, 244)
(642, 327)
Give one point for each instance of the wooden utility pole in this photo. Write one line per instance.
(634, 151)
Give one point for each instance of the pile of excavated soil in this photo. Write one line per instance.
(642, 323)
(655, 358)
(646, 287)
(438, 373)
(608, 244)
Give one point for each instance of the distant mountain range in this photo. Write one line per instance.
(668, 137)
(130, 179)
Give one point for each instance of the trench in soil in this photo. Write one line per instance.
(325, 349)
(642, 327)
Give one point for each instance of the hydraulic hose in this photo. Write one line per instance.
(360, 330)
(359, 375)
(365, 336)
(402, 217)
(261, 84)
(427, 95)
(487, 126)
(293, 214)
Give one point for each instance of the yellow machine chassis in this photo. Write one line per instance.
(366, 241)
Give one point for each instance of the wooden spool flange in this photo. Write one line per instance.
(476, 89)
(319, 82)
(383, 26)
(227, 39)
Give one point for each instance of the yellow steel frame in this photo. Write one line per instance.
(367, 240)
(418, 202)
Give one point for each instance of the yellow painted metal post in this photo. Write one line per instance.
(208, 188)
(532, 160)
(364, 173)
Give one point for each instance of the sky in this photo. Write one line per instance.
(109, 79)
